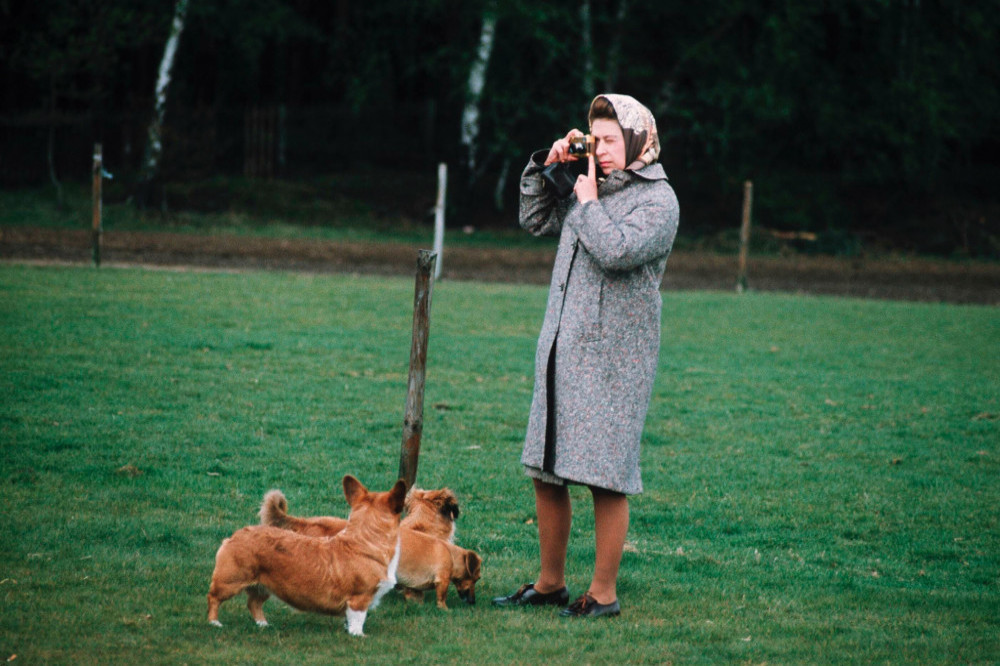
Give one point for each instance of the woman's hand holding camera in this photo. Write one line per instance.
(560, 149)
(586, 185)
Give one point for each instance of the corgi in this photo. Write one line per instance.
(428, 558)
(346, 574)
(427, 562)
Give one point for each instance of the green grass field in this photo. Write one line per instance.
(822, 475)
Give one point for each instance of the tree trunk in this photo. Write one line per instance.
(615, 50)
(154, 146)
(586, 27)
(498, 191)
(474, 92)
(51, 150)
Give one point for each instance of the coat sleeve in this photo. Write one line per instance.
(541, 213)
(642, 234)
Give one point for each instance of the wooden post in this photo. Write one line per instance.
(413, 421)
(439, 217)
(741, 280)
(97, 228)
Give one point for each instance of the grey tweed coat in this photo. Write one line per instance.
(603, 310)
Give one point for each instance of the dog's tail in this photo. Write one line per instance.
(274, 509)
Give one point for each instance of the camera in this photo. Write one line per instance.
(581, 147)
(560, 177)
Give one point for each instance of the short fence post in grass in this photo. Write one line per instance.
(413, 421)
(97, 228)
(439, 217)
(741, 279)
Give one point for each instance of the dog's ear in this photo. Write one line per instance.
(473, 564)
(397, 496)
(353, 489)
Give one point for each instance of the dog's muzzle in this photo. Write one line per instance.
(467, 597)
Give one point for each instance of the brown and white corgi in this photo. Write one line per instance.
(345, 574)
(428, 558)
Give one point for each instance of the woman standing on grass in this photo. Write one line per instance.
(599, 344)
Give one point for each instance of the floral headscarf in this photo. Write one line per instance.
(642, 143)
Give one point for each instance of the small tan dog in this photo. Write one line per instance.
(346, 574)
(427, 562)
(428, 559)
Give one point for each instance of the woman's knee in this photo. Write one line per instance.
(550, 490)
(604, 493)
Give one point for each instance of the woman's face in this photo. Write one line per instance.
(610, 149)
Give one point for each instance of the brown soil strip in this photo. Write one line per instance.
(899, 279)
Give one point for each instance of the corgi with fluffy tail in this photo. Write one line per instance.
(346, 574)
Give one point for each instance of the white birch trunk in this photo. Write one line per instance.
(474, 90)
(154, 146)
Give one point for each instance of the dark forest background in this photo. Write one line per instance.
(868, 123)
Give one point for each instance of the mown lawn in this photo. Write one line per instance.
(821, 474)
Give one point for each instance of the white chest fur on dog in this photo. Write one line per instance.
(390, 578)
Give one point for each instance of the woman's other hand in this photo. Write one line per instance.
(586, 186)
(560, 149)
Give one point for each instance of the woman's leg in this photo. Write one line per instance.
(555, 515)
(610, 528)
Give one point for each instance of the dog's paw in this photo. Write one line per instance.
(356, 622)
(215, 623)
(262, 623)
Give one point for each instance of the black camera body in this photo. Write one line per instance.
(560, 177)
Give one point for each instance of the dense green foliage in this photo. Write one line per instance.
(820, 473)
(874, 119)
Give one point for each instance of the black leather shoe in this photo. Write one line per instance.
(527, 596)
(587, 606)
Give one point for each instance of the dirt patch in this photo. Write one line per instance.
(899, 279)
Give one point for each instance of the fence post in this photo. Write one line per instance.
(741, 279)
(413, 420)
(439, 217)
(97, 227)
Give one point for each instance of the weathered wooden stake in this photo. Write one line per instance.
(741, 280)
(413, 421)
(98, 228)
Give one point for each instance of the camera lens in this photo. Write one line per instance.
(581, 146)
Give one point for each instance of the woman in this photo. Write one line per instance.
(599, 344)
